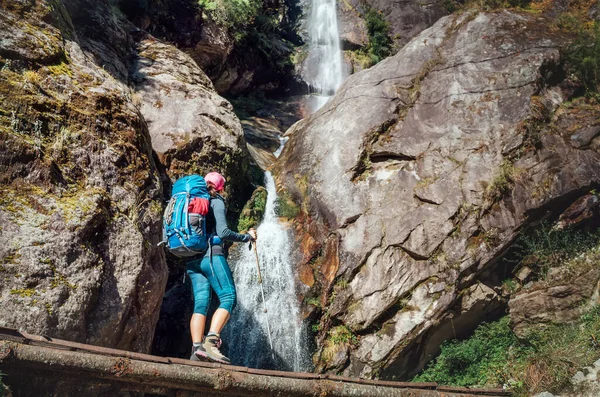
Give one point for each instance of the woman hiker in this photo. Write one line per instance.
(212, 271)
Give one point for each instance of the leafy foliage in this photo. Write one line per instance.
(378, 31)
(545, 359)
(259, 28)
(286, 207)
(230, 13)
(485, 5)
(583, 56)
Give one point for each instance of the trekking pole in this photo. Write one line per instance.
(262, 292)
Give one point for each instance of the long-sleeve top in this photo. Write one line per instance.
(216, 224)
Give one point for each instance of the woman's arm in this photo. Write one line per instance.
(223, 231)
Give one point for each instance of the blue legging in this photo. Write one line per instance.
(219, 278)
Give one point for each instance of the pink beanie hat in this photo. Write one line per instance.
(216, 179)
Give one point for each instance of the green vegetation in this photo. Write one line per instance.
(379, 46)
(342, 334)
(339, 338)
(314, 301)
(502, 183)
(231, 13)
(257, 26)
(475, 361)
(285, 206)
(3, 387)
(484, 5)
(546, 248)
(253, 211)
(359, 60)
(24, 292)
(583, 55)
(543, 360)
(378, 32)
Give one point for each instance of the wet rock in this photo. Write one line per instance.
(422, 170)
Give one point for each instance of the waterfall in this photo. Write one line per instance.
(324, 52)
(246, 333)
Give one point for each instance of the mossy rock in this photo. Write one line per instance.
(254, 210)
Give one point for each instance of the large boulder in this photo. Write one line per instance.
(193, 129)
(81, 195)
(421, 171)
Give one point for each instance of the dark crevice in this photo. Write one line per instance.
(365, 158)
(381, 157)
(479, 92)
(425, 200)
(356, 270)
(349, 221)
(413, 255)
(388, 314)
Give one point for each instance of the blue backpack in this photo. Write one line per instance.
(184, 220)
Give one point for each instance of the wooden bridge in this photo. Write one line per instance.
(36, 365)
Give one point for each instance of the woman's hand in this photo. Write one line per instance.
(252, 234)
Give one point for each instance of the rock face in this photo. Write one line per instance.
(80, 192)
(421, 171)
(82, 198)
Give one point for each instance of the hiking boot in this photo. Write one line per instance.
(211, 346)
(198, 353)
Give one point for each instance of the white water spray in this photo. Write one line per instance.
(246, 332)
(324, 51)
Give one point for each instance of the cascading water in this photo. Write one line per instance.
(246, 333)
(324, 52)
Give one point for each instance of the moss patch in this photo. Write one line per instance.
(254, 210)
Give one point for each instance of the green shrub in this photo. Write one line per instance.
(231, 13)
(583, 56)
(378, 32)
(342, 334)
(502, 182)
(543, 360)
(474, 361)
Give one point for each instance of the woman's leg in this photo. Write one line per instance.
(197, 323)
(220, 279)
(202, 295)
